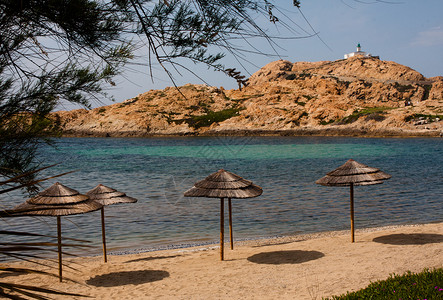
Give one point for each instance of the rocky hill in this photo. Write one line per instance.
(357, 96)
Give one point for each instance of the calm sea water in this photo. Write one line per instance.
(157, 171)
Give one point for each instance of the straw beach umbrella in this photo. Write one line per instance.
(353, 173)
(58, 200)
(107, 196)
(224, 184)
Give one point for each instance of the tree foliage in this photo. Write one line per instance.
(50, 51)
(70, 50)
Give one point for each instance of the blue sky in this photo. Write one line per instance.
(407, 32)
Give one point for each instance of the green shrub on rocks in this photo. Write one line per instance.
(207, 119)
(371, 113)
(421, 117)
(212, 117)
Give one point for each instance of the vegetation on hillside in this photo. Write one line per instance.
(371, 113)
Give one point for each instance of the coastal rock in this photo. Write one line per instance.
(356, 96)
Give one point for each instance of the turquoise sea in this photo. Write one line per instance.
(157, 171)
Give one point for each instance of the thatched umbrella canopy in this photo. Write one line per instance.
(58, 200)
(107, 196)
(353, 173)
(224, 184)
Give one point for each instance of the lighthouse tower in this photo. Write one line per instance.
(359, 53)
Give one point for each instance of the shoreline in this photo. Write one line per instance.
(261, 241)
(326, 132)
(301, 267)
(247, 242)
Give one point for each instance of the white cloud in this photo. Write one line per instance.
(431, 37)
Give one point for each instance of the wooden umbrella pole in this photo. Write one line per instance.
(231, 239)
(222, 227)
(352, 212)
(59, 242)
(104, 234)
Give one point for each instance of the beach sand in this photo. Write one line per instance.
(297, 267)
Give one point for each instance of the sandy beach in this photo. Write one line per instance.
(298, 267)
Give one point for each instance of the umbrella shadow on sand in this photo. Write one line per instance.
(285, 257)
(127, 277)
(410, 239)
(5, 274)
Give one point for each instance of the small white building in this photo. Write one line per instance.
(359, 53)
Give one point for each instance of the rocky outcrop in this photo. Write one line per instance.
(357, 96)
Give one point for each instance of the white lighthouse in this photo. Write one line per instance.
(359, 53)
